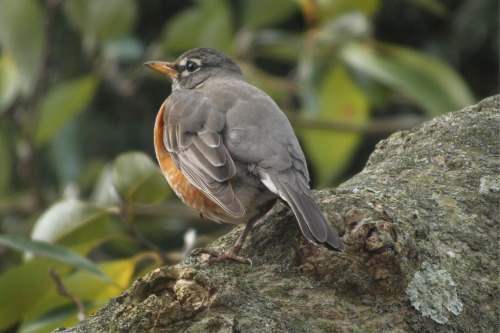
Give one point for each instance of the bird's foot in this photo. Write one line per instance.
(219, 256)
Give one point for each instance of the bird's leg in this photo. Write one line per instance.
(233, 251)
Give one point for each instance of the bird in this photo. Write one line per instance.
(228, 150)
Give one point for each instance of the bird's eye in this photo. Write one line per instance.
(191, 66)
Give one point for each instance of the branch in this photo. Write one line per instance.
(127, 214)
(26, 150)
(65, 292)
(378, 127)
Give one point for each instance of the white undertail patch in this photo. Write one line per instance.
(264, 177)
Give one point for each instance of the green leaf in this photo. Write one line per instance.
(104, 192)
(328, 38)
(55, 252)
(71, 222)
(281, 45)
(209, 24)
(23, 285)
(218, 31)
(112, 18)
(340, 100)
(261, 13)
(61, 104)
(22, 35)
(428, 81)
(102, 20)
(179, 33)
(139, 179)
(432, 6)
(64, 155)
(5, 163)
(327, 10)
(127, 49)
(53, 310)
(61, 316)
(10, 81)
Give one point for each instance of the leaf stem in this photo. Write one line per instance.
(127, 212)
(61, 289)
(378, 127)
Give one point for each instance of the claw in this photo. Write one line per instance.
(219, 256)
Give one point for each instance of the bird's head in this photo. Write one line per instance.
(194, 67)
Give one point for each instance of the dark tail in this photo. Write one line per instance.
(311, 220)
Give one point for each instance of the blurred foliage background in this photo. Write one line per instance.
(80, 191)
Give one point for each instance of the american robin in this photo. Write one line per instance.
(228, 151)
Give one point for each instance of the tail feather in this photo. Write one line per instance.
(333, 241)
(312, 222)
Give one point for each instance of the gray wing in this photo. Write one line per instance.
(192, 136)
(262, 135)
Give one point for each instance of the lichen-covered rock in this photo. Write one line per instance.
(431, 291)
(420, 224)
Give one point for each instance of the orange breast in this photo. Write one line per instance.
(188, 193)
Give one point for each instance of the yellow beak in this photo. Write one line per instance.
(163, 67)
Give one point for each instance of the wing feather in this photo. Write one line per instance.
(192, 136)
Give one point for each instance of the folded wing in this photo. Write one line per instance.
(192, 136)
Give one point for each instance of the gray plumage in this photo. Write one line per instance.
(233, 142)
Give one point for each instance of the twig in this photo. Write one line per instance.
(277, 82)
(127, 213)
(380, 127)
(26, 149)
(171, 208)
(65, 292)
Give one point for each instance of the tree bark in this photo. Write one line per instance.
(420, 224)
